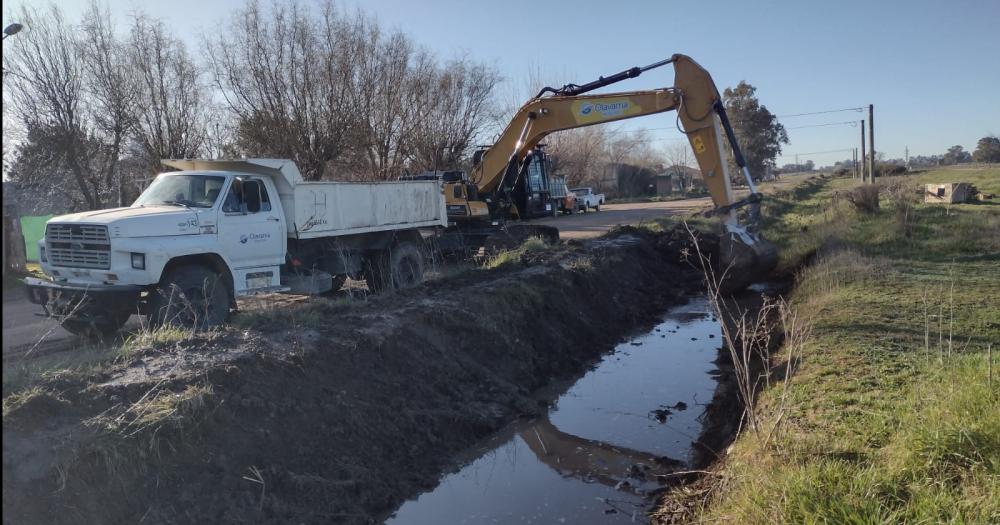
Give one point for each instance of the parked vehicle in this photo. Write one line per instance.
(217, 229)
(563, 200)
(586, 198)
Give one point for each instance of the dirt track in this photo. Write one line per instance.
(334, 420)
(593, 224)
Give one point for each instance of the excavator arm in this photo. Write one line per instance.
(702, 117)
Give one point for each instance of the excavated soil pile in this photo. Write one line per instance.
(333, 412)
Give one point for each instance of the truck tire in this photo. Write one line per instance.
(190, 296)
(97, 328)
(597, 207)
(402, 267)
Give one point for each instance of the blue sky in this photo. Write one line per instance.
(931, 68)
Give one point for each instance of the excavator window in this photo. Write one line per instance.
(536, 176)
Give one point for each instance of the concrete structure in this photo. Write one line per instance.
(950, 193)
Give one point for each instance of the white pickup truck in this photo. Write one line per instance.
(215, 230)
(586, 198)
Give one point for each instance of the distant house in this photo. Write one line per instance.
(627, 180)
(678, 179)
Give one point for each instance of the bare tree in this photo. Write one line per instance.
(174, 108)
(74, 93)
(113, 98)
(284, 73)
(333, 92)
(680, 156)
(453, 113)
(579, 154)
(383, 99)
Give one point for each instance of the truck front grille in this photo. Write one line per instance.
(78, 246)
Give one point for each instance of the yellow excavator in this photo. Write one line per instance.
(509, 179)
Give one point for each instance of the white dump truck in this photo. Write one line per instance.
(215, 230)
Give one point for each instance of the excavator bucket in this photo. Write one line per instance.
(745, 258)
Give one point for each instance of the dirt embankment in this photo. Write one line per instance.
(338, 413)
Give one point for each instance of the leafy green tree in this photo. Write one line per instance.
(987, 150)
(956, 155)
(758, 131)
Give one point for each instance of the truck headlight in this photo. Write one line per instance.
(42, 256)
(138, 261)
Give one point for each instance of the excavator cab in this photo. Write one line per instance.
(531, 195)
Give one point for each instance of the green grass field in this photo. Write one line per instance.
(892, 412)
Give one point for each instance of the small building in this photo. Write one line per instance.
(950, 193)
(677, 179)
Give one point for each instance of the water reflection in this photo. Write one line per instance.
(593, 461)
(604, 443)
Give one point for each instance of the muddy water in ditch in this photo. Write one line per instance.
(600, 449)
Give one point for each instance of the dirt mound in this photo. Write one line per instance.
(340, 412)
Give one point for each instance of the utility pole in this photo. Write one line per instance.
(907, 158)
(855, 164)
(864, 165)
(871, 140)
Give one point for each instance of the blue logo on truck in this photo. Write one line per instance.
(255, 237)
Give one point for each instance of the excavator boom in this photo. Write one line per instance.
(701, 116)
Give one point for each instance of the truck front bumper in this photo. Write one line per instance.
(61, 299)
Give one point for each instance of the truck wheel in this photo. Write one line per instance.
(98, 328)
(190, 297)
(403, 267)
(597, 207)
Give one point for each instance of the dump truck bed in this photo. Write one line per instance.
(321, 209)
(327, 209)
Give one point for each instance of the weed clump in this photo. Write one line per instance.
(865, 198)
(531, 246)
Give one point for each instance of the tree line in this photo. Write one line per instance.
(97, 107)
(91, 106)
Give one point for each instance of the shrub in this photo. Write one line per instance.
(864, 198)
(888, 169)
(903, 195)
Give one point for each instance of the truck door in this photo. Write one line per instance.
(250, 228)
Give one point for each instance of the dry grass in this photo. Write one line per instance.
(531, 245)
(891, 415)
(748, 337)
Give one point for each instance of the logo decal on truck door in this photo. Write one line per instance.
(255, 237)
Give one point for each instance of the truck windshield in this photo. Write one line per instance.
(581, 192)
(192, 191)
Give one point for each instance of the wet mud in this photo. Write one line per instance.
(343, 417)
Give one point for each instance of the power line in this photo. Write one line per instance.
(819, 112)
(853, 123)
(815, 152)
(844, 123)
